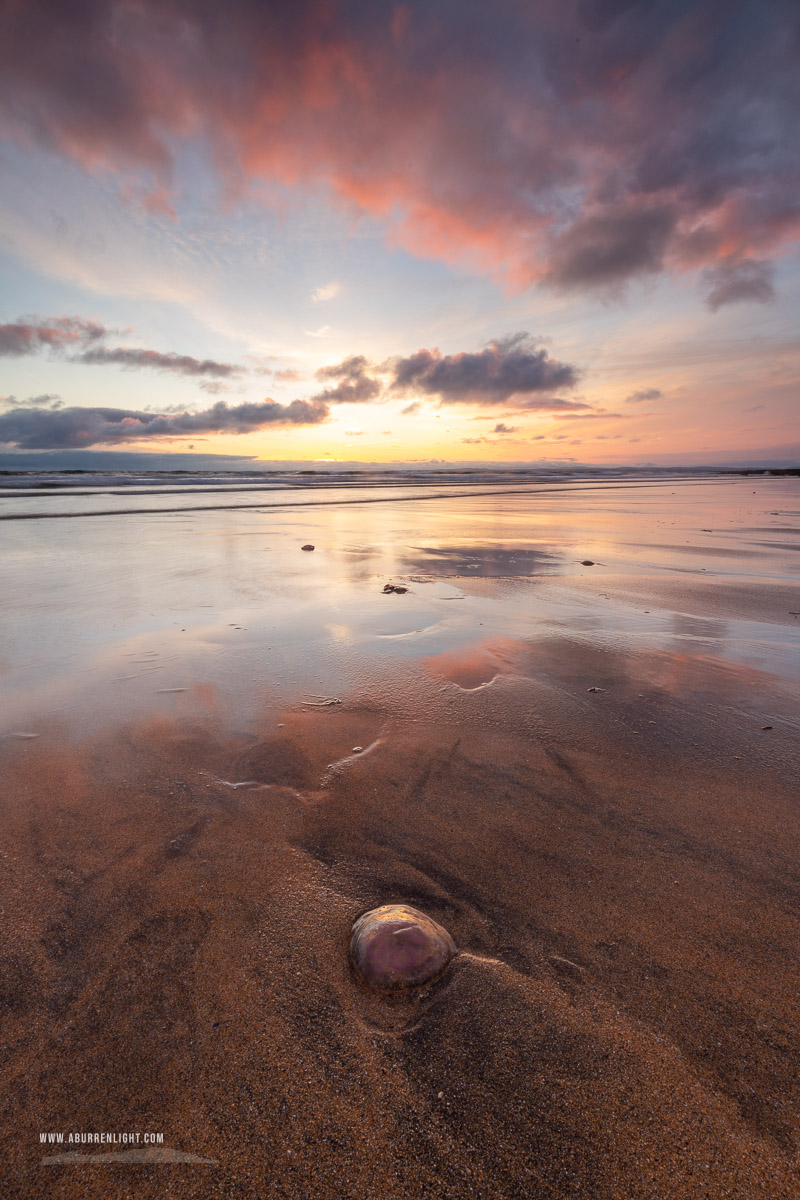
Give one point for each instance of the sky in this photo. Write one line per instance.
(438, 231)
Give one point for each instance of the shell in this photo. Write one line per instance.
(396, 946)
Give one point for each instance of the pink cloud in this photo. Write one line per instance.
(580, 142)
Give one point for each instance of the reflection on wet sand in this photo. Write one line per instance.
(485, 561)
(473, 666)
(578, 665)
(587, 777)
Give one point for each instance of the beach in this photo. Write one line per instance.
(571, 739)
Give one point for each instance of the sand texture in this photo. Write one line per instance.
(621, 1020)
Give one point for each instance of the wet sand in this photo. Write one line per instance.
(617, 867)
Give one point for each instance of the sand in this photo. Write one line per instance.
(617, 868)
(621, 1019)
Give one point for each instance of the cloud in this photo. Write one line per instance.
(353, 383)
(552, 404)
(353, 367)
(47, 400)
(214, 387)
(322, 332)
(181, 364)
(70, 428)
(598, 415)
(587, 142)
(512, 366)
(57, 334)
(643, 395)
(85, 338)
(326, 293)
(501, 428)
(263, 364)
(510, 371)
(608, 249)
(738, 280)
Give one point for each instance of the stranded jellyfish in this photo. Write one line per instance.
(396, 946)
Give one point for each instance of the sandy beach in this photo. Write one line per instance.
(218, 751)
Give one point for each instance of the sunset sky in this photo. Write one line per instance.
(442, 230)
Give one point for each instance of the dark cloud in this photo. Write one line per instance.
(358, 391)
(643, 395)
(411, 410)
(512, 366)
(585, 141)
(607, 250)
(501, 428)
(123, 460)
(58, 334)
(181, 364)
(551, 404)
(353, 383)
(353, 367)
(85, 338)
(46, 400)
(737, 280)
(67, 428)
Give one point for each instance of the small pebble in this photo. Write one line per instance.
(357, 749)
(765, 727)
(586, 562)
(308, 547)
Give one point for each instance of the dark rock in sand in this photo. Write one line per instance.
(587, 562)
(393, 587)
(396, 946)
(309, 547)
